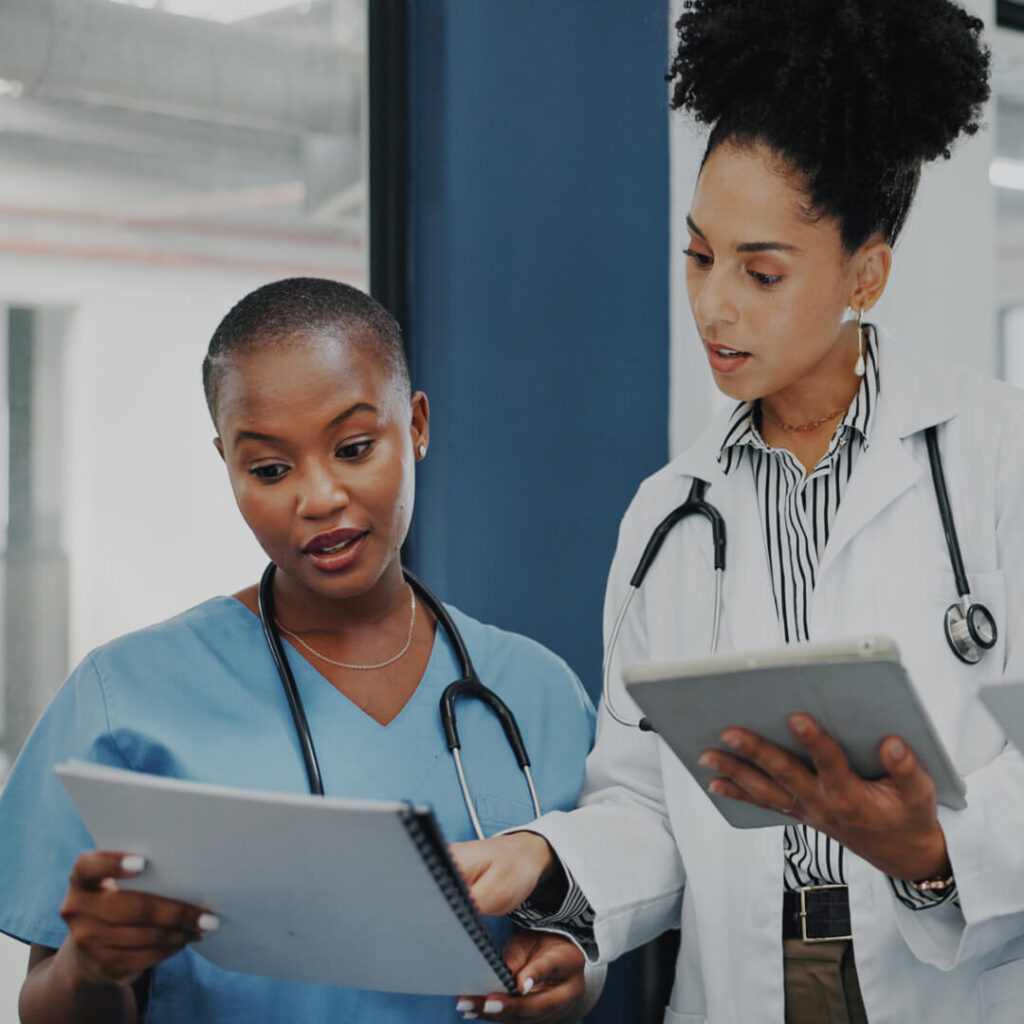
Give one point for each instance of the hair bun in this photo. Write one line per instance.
(878, 83)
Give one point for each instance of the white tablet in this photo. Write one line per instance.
(856, 689)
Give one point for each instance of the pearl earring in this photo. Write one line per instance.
(859, 368)
(422, 451)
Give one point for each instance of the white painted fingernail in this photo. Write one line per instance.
(208, 922)
(493, 1006)
(469, 1015)
(133, 863)
(527, 985)
(463, 1005)
(108, 884)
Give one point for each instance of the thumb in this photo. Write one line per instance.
(552, 959)
(912, 782)
(518, 950)
(469, 858)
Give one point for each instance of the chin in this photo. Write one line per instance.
(740, 391)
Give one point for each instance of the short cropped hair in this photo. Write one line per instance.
(275, 314)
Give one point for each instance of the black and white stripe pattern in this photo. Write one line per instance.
(797, 513)
(573, 915)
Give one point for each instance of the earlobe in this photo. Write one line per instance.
(420, 424)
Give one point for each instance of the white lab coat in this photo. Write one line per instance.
(646, 828)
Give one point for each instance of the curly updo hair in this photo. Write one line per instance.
(855, 95)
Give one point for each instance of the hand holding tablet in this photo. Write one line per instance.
(829, 734)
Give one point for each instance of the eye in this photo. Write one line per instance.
(269, 472)
(352, 450)
(701, 259)
(768, 280)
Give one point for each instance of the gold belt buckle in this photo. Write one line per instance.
(803, 914)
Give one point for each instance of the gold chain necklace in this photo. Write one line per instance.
(799, 428)
(365, 668)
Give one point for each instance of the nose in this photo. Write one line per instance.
(711, 300)
(322, 491)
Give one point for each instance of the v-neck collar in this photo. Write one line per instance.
(313, 682)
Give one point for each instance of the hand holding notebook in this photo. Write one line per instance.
(341, 892)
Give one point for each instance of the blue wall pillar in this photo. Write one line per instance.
(538, 318)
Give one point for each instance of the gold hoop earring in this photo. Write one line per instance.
(860, 367)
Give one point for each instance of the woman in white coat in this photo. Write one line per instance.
(822, 113)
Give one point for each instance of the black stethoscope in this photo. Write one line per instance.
(467, 685)
(970, 628)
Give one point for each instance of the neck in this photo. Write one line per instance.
(829, 386)
(307, 611)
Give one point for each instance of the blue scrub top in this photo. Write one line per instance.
(197, 697)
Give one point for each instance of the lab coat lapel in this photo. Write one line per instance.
(749, 619)
(881, 474)
(914, 394)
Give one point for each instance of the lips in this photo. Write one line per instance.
(724, 359)
(726, 353)
(336, 551)
(332, 542)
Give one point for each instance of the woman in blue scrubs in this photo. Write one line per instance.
(320, 432)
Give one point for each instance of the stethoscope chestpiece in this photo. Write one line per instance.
(970, 630)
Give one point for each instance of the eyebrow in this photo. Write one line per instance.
(747, 246)
(255, 435)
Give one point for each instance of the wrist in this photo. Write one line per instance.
(937, 883)
(932, 862)
(79, 972)
(538, 853)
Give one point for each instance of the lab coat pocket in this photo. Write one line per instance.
(1002, 993)
(671, 1017)
(911, 608)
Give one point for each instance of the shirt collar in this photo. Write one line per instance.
(742, 432)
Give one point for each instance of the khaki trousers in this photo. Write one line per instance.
(821, 983)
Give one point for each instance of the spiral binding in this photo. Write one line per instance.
(426, 835)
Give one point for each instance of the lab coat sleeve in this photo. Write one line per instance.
(986, 839)
(618, 844)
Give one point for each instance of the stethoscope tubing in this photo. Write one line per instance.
(695, 504)
(265, 602)
(468, 685)
(963, 588)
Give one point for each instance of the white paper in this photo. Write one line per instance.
(315, 889)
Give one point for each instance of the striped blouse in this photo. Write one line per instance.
(797, 511)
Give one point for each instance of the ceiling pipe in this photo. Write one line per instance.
(97, 52)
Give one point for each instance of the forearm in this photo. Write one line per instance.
(58, 991)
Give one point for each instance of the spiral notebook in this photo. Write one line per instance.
(318, 889)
